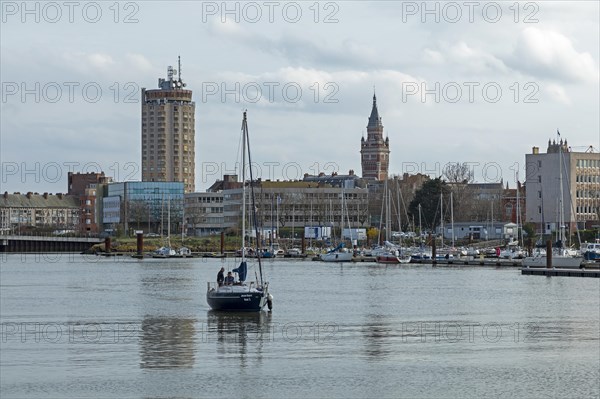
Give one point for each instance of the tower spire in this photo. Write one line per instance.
(374, 119)
(375, 149)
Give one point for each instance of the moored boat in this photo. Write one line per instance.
(591, 250)
(338, 254)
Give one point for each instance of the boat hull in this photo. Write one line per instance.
(591, 255)
(237, 301)
(561, 262)
(387, 259)
(337, 257)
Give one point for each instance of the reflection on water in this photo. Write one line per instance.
(235, 332)
(376, 332)
(167, 343)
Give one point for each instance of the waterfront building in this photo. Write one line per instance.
(402, 190)
(298, 204)
(152, 207)
(375, 150)
(35, 213)
(203, 213)
(336, 180)
(168, 132)
(478, 230)
(510, 204)
(580, 182)
(84, 186)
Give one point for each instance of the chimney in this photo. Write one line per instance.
(29, 195)
(45, 195)
(351, 172)
(535, 150)
(5, 194)
(59, 195)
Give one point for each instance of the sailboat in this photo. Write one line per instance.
(389, 253)
(339, 253)
(165, 251)
(561, 256)
(243, 296)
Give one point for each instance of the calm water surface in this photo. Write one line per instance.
(75, 326)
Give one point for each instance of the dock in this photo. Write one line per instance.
(473, 262)
(542, 271)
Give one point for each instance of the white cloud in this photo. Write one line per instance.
(100, 61)
(432, 56)
(551, 53)
(139, 62)
(557, 93)
(473, 59)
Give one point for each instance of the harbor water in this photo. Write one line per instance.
(78, 326)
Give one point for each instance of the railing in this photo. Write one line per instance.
(213, 285)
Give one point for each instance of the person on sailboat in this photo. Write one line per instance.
(221, 276)
(229, 280)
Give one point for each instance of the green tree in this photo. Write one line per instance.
(529, 230)
(428, 196)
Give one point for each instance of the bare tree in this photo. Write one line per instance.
(458, 173)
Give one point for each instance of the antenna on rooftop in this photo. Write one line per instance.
(179, 67)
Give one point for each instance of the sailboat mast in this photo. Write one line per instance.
(399, 206)
(342, 219)
(442, 216)
(253, 201)
(420, 231)
(243, 170)
(519, 233)
(452, 217)
(380, 236)
(561, 215)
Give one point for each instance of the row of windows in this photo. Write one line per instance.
(588, 163)
(587, 178)
(586, 209)
(208, 200)
(587, 194)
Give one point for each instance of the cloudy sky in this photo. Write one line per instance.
(479, 83)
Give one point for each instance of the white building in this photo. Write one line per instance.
(580, 187)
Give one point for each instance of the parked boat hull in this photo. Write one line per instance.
(561, 262)
(337, 257)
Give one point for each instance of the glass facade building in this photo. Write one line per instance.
(154, 207)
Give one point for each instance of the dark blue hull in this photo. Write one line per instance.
(590, 255)
(235, 301)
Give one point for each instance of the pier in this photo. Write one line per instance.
(21, 243)
(561, 272)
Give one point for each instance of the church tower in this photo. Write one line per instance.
(375, 151)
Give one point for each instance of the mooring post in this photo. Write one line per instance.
(549, 254)
(140, 243)
(107, 244)
(222, 242)
(433, 250)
